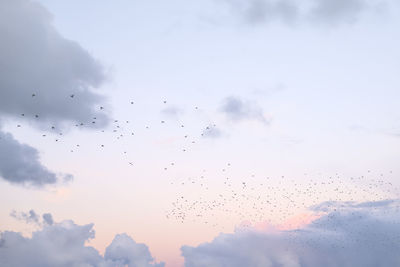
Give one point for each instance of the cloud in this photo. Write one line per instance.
(63, 245)
(46, 80)
(48, 218)
(237, 109)
(257, 11)
(41, 70)
(19, 164)
(211, 131)
(28, 217)
(172, 111)
(289, 11)
(355, 234)
(336, 11)
(32, 217)
(124, 251)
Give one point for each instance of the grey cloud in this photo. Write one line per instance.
(63, 245)
(330, 12)
(19, 164)
(124, 251)
(172, 111)
(337, 11)
(212, 132)
(353, 235)
(28, 217)
(60, 245)
(256, 11)
(48, 218)
(237, 109)
(32, 217)
(48, 79)
(329, 206)
(36, 59)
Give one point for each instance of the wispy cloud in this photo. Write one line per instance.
(212, 131)
(331, 12)
(237, 109)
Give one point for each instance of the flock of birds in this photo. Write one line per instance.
(275, 200)
(119, 128)
(208, 197)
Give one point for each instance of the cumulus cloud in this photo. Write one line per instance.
(290, 11)
(63, 245)
(347, 235)
(42, 73)
(124, 251)
(19, 164)
(237, 109)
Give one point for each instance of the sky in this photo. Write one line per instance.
(209, 133)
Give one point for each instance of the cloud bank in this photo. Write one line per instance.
(63, 245)
(347, 235)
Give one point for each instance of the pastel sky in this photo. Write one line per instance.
(198, 128)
